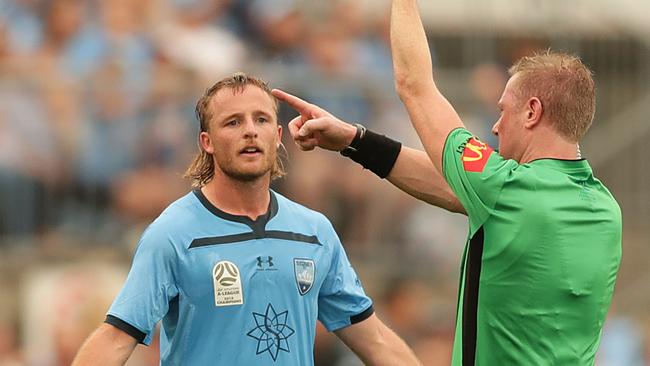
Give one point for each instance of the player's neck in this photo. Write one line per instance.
(553, 147)
(239, 198)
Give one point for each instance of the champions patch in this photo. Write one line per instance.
(476, 155)
(227, 284)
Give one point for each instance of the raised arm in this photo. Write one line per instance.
(107, 346)
(376, 344)
(431, 114)
(412, 172)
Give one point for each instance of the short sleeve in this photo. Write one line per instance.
(148, 289)
(476, 174)
(341, 300)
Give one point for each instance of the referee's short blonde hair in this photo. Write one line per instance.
(564, 85)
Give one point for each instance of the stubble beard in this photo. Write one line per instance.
(232, 171)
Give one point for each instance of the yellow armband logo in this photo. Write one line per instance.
(476, 155)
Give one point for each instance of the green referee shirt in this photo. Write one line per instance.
(540, 263)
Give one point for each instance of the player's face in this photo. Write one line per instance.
(509, 128)
(244, 134)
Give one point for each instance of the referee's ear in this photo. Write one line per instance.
(534, 112)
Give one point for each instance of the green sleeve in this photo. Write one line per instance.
(476, 173)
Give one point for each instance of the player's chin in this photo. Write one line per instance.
(250, 172)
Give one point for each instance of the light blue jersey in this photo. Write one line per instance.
(233, 291)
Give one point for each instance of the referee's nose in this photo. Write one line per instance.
(495, 128)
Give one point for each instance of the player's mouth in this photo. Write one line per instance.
(251, 151)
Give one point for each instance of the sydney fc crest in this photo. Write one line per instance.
(304, 270)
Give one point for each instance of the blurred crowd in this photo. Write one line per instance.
(97, 127)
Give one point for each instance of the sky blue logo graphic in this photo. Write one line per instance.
(304, 270)
(271, 332)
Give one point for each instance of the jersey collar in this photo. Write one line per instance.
(565, 165)
(258, 224)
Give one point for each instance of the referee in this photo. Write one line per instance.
(544, 242)
(237, 273)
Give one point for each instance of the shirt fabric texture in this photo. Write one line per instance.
(234, 291)
(540, 263)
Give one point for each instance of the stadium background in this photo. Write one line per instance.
(97, 126)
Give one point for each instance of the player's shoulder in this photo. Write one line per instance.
(293, 207)
(292, 211)
(176, 218)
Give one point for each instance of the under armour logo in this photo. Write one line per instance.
(262, 260)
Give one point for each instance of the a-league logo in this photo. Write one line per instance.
(227, 284)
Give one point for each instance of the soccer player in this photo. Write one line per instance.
(544, 242)
(238, 273)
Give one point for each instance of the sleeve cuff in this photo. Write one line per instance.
(362, 315)
(126, 328)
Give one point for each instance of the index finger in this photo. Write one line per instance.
(294, 126)
(295, 102)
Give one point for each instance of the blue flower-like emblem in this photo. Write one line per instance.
(271, 332)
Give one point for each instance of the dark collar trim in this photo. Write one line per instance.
(256, 225)
(556, 159)
(242, 237)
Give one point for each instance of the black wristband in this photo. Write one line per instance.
(373, 151)
(354, 145)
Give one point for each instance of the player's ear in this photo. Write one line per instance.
(279, 134)
(534, 112)
(205, 142)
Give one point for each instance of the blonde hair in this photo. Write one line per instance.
(564, 85)
(201, 170)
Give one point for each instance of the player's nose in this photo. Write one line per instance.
(250, 128)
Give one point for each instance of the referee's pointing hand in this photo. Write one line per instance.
(315, 126)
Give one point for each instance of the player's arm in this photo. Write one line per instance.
(141, 303)
(408, 169)
(376, 344)
(430, 113)
(107, 346)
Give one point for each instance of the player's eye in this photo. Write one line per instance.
(232, 122)
(262, 120)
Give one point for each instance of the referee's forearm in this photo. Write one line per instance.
(411, 55)
(415, 174)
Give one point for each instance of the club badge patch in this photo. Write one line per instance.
(227, 284)
(476, 155)
(304, 270)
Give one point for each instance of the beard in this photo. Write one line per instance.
(247, 173)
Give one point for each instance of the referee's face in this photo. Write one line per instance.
(509, 128)
(243, 135)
